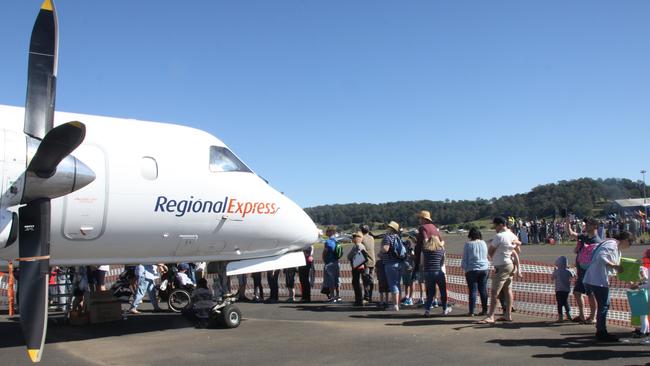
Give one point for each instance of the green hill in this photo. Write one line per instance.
(584, 196)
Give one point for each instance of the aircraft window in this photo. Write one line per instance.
(149, 168)
(223, 160)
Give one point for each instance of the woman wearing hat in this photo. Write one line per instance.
(391, 262)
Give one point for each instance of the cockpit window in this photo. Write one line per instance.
(223, 160)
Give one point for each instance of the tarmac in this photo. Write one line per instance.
(321, 334)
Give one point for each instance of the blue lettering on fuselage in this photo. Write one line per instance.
(180, 208)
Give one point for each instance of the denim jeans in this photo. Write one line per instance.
(393, 275)
(432, 279)
(145, 286)
(602, 300)
(477, 281)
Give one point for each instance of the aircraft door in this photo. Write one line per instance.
(84, 211)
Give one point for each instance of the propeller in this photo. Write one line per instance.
(52, 172)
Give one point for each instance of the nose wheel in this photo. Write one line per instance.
(228, 316)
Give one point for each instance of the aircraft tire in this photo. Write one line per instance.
(230, 316)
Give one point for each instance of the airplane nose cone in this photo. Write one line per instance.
(308, 230)
(83, 175)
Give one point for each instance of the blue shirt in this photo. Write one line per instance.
(475, 256)
(330, 245)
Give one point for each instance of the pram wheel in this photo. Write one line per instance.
(179, 300)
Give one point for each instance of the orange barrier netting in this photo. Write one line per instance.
(534, 293)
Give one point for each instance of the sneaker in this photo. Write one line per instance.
(338, 299)
(447, 310)
(421, 302)
(637, 334)
(408, 302)
(435, 303)
(427, 313)
(134, 311)
(395, 308)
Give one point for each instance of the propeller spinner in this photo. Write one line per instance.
(52, 172)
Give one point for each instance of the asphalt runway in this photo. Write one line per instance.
(324, 334)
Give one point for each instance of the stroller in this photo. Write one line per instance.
(123, 288)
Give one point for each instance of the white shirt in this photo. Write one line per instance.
(598, 272)
(184, 279)
(104, 268)
(504, 247)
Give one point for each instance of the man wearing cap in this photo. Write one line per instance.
(369, 243)
(426, 230)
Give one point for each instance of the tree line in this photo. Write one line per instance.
(584, 197)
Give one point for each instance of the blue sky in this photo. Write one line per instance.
(367, 101)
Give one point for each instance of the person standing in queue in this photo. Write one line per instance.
(331, 270)
(357, 273)
(303, 275)
(501, 251)
(426, 230)
(605, 262)
(368, 283)
(272, 279)
(392, 264)
(475, 265)
(588, 237)
(146, 276)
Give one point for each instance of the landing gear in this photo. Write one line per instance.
(225, 315)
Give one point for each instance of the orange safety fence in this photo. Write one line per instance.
(534, 293)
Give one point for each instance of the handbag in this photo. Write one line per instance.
(359, 259)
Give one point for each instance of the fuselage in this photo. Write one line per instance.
(162, 193)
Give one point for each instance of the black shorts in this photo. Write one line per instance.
(580, 286)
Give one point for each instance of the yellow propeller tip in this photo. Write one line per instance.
(47, 5)
(34, 355)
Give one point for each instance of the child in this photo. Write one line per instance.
(562, 277)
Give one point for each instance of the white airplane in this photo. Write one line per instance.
(134, 192)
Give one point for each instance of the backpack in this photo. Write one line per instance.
(338, 250)
(399, 249)
(586, 254)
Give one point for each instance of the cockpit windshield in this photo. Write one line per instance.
(223, 160)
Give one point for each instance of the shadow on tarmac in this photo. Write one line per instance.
(11, 333)
(586, 341)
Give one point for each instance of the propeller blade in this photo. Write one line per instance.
(56, 145)
(33, 277)
(41, 73)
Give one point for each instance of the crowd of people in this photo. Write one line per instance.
(556, 230)
(401, 265)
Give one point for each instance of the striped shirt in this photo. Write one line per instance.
(433, 260)
(389, 257)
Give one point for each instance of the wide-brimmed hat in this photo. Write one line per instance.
(425, 215)
(393, 225)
